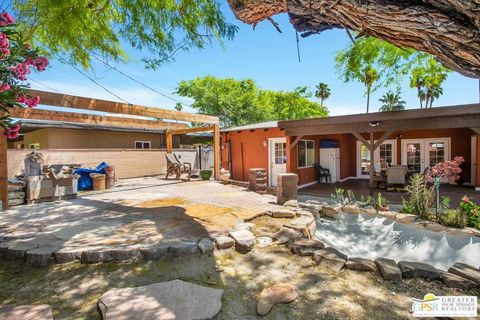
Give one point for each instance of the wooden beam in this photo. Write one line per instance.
(169, 141)
(3, 172)
(76, 102)
(216, 152)
(41, 114)
(382, 139)
(362, 139)
(476, 130)
(192, 130)
(295, 142)
(372, 161)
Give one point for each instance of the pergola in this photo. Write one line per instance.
(110, 113)
(386, 123)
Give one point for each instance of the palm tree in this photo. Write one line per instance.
(368, 77)
(392, 102)
(428, 80)
(178, 106)
(323, 92)
(417, 80)
(433, 92)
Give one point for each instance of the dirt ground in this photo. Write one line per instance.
(73, 289)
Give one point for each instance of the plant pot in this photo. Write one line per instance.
(383, 208)
(205, 174)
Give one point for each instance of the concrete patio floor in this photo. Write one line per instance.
(138, 212)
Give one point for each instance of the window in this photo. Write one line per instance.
(306, 153)
(143, 144)
(280, 153)
(386, 155)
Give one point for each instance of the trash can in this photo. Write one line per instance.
(98, 181)
(110, 172)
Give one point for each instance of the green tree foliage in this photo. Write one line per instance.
(323, 92)
(428, 78)
(391, 101)
(368, 76)
(80, 28)
(240, 102)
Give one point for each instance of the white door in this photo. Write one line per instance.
(384, 156)
(473, 171)
(277, 158)
(419, 154)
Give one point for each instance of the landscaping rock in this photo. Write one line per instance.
(245, 225)
(155, 252)
(183, 248)
(311, 201)
(418, 270)
(436, 227)
(351, 208)
(306, 247)
(41, 257)
(454, 281)
(304, 224)
(291, 204)
(466, 271)
(126, 253)
(244, 240)
(67, 254)
(223, 242)
(278, 293)
(206, 245)
(331, 211)
(26, 312)
(361, 264)
(388, 214)
(264, 241)
(170, 300)
(286, 235)
(314, 208)
(330, 257)
(283, 213)
(96, 255)
(405, 218)
(368, 210)
(19, 248)
(388, 269)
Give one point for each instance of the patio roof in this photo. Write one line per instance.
(461, 116)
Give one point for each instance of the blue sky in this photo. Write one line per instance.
(263, 54)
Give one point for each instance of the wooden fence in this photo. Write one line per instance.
(128, 163)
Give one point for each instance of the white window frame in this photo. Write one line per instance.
(306, 158)
(143, 143)
(376, 156)
(424, 158)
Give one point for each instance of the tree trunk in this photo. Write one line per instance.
(321, 102)
(448, 29)
(368, 99)
(419, 97)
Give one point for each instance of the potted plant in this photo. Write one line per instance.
(205, 174)
(382, 203)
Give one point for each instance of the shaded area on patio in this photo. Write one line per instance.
(360, 187)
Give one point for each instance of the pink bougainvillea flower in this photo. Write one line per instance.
(4, 43)
(6, 19)
(15, 127)
(4, 87)
(20, 71)
(32, 102)
(22, 98)
(40, 63)
(465, 199)
(10, 134)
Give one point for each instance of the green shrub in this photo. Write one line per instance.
(420, 197)
(453, 218)
(471, 211)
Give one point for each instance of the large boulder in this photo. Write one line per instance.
(361, 264)
(418, 270)
(278, 293)
(388, 269)
(306, 247)
(333, 210)
(331, 258)
(206, 246)
(170, 300)
(454, 281)
(244, 240)
(286, 235)
(26, 312)
(466, 271)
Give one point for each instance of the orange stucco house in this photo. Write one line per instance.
(415, 138)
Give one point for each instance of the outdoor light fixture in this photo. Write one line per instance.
(374, 123)
(264, 143)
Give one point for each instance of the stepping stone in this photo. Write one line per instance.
(223, 242)
(120, 254)
(278, 293)
(306, 247)
(361, 264)
(286, 235)
(304, 224)
(170, 300)
(466, 271)
(436, 227)
(418, 270)
(330, 257)
(283, 213)
(41, 257)
(155, 252)
(351, 208)
(291, 204)
(96, 255)
(26, 312)
(245, 225)
(67, 254)
(206, 246)
(183, 249)
(331, 211)
(244, 240)
(388, 269)
(405, 218)
(454, 281)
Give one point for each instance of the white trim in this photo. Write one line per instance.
(306, 140)
(270, 160)
(477, 189)
(348, 178)
(307, 185)
(424, 157)
(376, 156)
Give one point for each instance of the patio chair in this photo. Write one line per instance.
(184, 165)
(322, 173)
(396, 175)
(173, 166)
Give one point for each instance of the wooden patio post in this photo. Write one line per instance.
(216, 151)
(169, 141)
(371, 147)
(3, 172)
